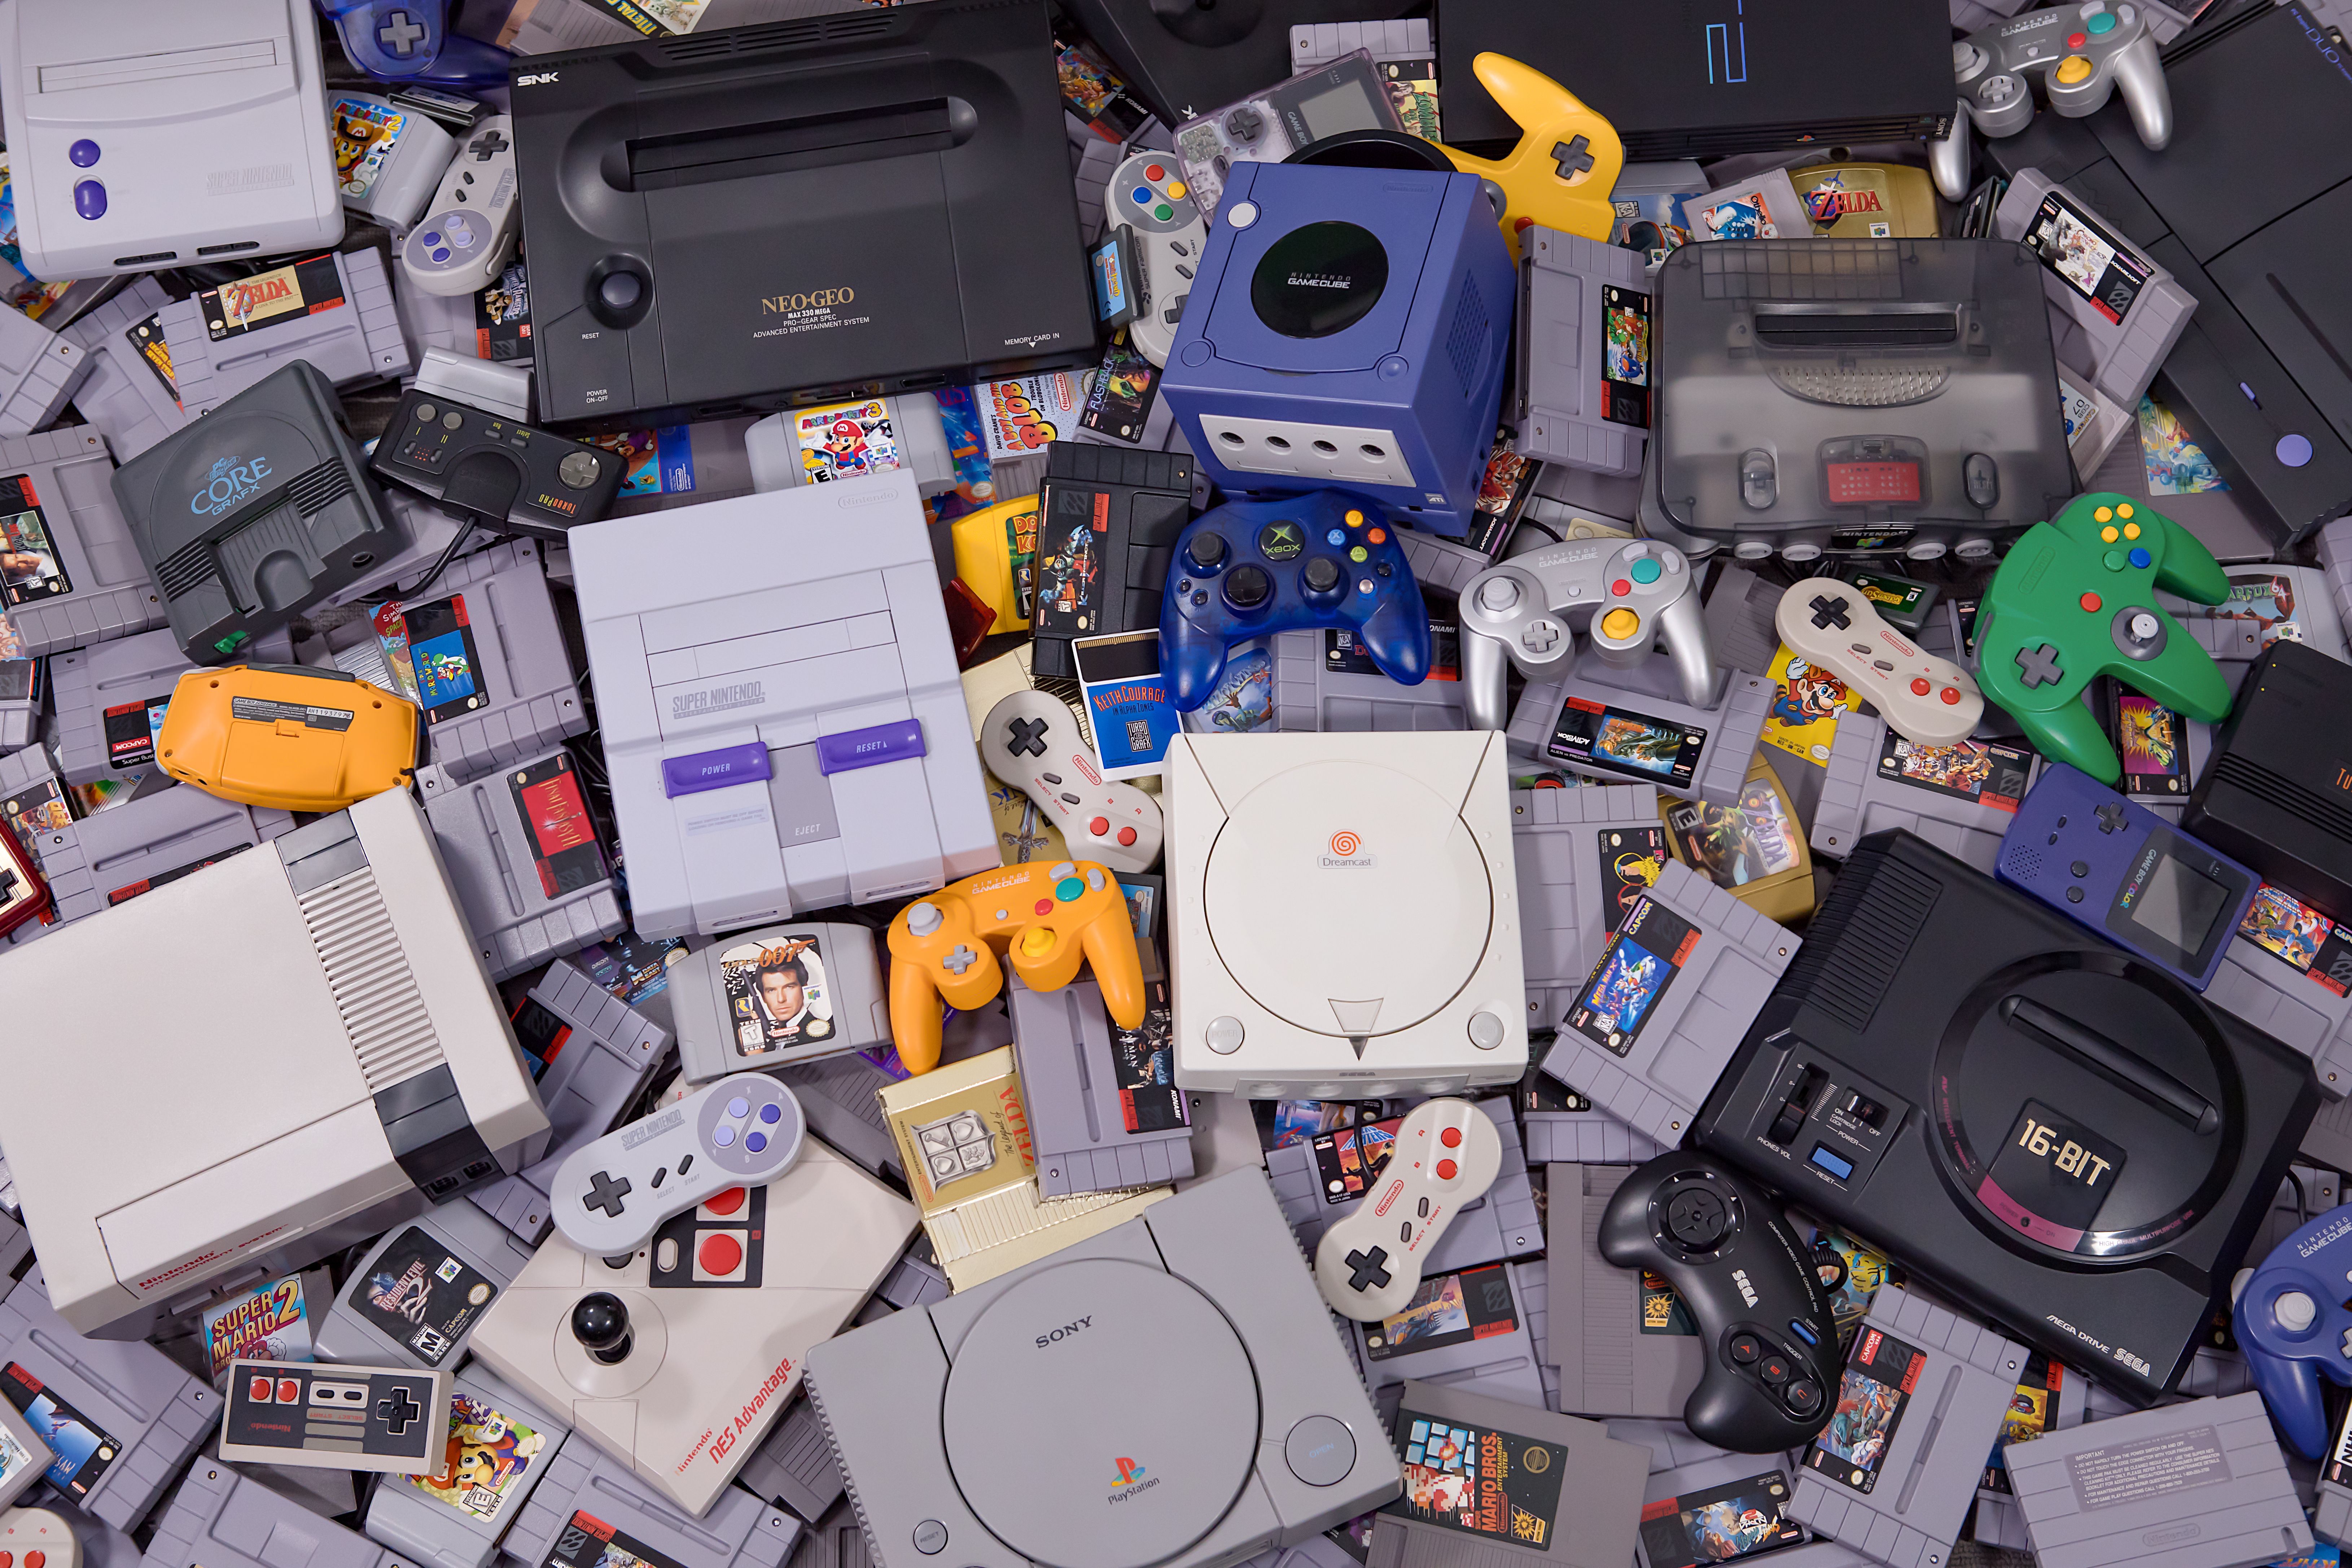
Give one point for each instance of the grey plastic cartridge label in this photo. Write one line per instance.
(2158, 1466)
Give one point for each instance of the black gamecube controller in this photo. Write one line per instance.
(1772, 1350)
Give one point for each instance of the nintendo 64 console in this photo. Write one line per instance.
(1852, 396)
(2044, 1128)
(717, 222)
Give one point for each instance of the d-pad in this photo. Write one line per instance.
(605, 1192)
(1540, 636)
(1829, 611)
(1572, 158)
(962, 959)
(2038, 666)
(397, 1411)
(1025, 737)
(1367, 1270)
(401, 33)
(2110, 816)
(489, 144)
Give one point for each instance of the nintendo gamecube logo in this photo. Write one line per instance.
(1346, 852)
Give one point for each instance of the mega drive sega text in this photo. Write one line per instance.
(717, 222)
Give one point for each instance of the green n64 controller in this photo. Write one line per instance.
(2077, 598)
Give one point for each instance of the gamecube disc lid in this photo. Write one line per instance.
(1100, 1414)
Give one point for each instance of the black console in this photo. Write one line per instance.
(2042, 1127)
(729, 222)
(1108, 521)
(1194, 56)
(501, 470)
(2278, 793)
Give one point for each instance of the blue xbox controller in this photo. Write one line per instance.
(410, 40)
(1249, 568)
(2292, 1324)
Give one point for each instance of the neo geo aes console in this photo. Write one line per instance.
(1276, 847)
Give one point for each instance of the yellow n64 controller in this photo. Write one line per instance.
(1565, 166)
(287, 736)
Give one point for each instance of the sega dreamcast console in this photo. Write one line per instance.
(676, 1357)
(1015, 1423)
(1348, 328)
(335, 969)
(1347, 917)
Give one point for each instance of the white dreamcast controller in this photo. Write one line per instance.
(1446, 1155)
(1928, 700)
(1148, 194)
(611, 1196)
(468, 231)
(1030, 742)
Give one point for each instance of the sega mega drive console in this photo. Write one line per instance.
(1353, 329)
(2050, 1130)
(718, 223)
(1852, 396)
(147, 133)
(375, 1071)
(1044, 1437)
(1346, 912)
(782, 714)
(677, 1357)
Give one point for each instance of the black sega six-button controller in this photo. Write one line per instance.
(391, 1419)
(509, 475)
(1772, 1350)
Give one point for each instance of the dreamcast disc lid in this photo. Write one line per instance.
(1101, 1415)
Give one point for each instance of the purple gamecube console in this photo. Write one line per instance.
(2127, 874)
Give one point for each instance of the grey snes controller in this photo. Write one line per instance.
(1445, 1156)
(1148, 194)
(611, 1196)
(2082, 52)
(1030, 742)
(1623, 595)
(468, 231)
(1928, 700)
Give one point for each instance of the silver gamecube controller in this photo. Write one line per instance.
(2082, 52)
(1625, 595)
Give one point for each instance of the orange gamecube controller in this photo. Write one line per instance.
(1565, 166)
(1044, 919)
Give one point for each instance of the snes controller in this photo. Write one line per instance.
(1045, 918)
(611, 1196)
(2290, 1316)
(410, 40)
(38, 1538)
(468, 231)
(1030, 742)
(1928, 700)
(2084, 52)
(1772, 1344)
(1621, 594)
(1148, 195)
(1445, 1156)
(1560, 175)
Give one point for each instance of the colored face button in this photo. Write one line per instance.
(2101, 24)
(1044, 906)
(723, 1135)
(1378, 536)
(1621, 622)
(739, 1108)
(755, 1141)
(1098, 827)
(2113, 560)
(1336, 537)
(1141, 196)
(1037, 941)
(2105, 514)
(2131, 531)
(719, 1254)
(1069, 888)
(1451, 1138)
(1355, 518)
(1951, 695)
(1155, 172)
(1126, 837)
(1176, 189)
(1646, 570)
(1359, 554)
(2140, 558)
(1918, 686)
(2109, 535)
(2076, 40)
(1445, 1169)
(771, 1114)
(2123, 509)
(1620, 588)
(2072, 70)
(726, 1203)
(1163, 212)
(2091, 602)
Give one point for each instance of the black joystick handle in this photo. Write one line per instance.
(601, 1323)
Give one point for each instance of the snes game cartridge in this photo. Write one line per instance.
(1582, 856)
(128, 394)
(2331, 1519)
(332, 311)
(1584, 364)
(1668, 1002)
(112, 698)
(1622, 725)
(1563, 1126)
(837, 1096)
(599, 1052)
(87, 583)
(223, 1518)
(1626, 1344)
(147, 842)
(591, 1512)
(525, 861)
(1321, 1180)
(39, 370)
(1473, 1329)
(416, 1294)
(799, 740)
(1104, 1110)
(210, 141)
(1960, 798)
(2274, 979)
(496, 1447)
(778, 996)
(1324, 680)
(795, 1466)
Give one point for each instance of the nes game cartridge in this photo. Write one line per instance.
(2200, 1485)
(89, 586)
(332, 311)
(1582, 856)
(778, 996)
(421, 1290)
(128, 395)
(39, 369)
(121, 1418)
(1583, 339)
(794, 1466)
(1471, 1329)
(1667, 1003)
(1634, 727)
(500, 1445)
(1321, 1180)
(1573, 1493)
(1672, 1443)
(388, 159)
(599, 1052)
(1960, 798)
(2331, 1518)
(223, 1518)
(524, 858)
(591, 1512)
(1104, 1108)
(1919, 1406)
(1626, 1345)
(1563, 1126)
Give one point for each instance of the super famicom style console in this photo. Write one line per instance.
(739, 216)
(1267, 1439)
(374, 1109)
(782, 714)
(2045, 1128)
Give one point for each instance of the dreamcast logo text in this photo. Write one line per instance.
(1344, 842)
(1346, 852)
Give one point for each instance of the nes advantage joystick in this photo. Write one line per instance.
(1772, 1345)
(611, 1196)
(1929, 700)
(1621, 595)
(1030, 742)
(601, 1323)
(1446, 1155)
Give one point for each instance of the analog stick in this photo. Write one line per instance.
(1248, 587)
(601, 1323)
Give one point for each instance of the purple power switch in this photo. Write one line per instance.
(864, 748)
(715, 770)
